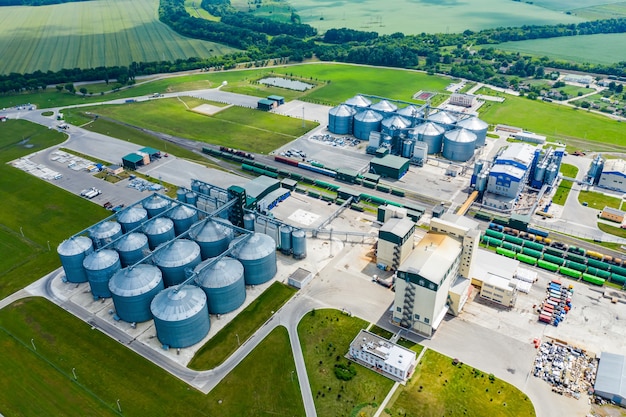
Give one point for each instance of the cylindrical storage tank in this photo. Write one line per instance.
(386, 141)
(105, 232)
(132, 218)
(481, 182)
(183, 217)
(180, 195)
(175, 258)
(204, 189)
(431, 134)
(100, 267)
(248, 221)
(410, 112)
(258, 256)
(272, 231)
(551, 174)
(285, 239)
(477, 127)
(298, 243)
(191, 198)
(340, 119)
(132, 248)
(181, 316)
(443, 119)
(540, 171)
(407, 149)
(212, 237)
(155, 204)
(458, 145)
(366, 122)
(158, 231)
(223, 283)
(358, 101)
(195, 186)
(133, 289)
(478, 166)
(384, 106)
(72, 253)
(395, 125)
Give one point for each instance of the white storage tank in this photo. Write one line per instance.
(458, 145)
(258, 256)
(183, 217)
(212, 237)
(181, 316)
(159, 231)
(132, 248)
(224, 284)
(100, 267)
(155, 204)
(477, 127)
(105, 232)
(340, 119)
(132, 218)
(174, 259)
(72, 253)
(133, 289)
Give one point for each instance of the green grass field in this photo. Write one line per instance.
(238, 127)
(613, 230)
(40, 382)
(569, 170)
(34, 213)
(91, 34)
(598, 200)
(325, 336)
(602, 9)
(595, 49)
(224, 343)
(562, 192)
(439, 388)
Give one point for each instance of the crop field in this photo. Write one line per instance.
(596, 49)
(40, 382)
(91, 34)
(440, 388)
(246, 129)
(613, 9)
(34, 213)
(566, 5)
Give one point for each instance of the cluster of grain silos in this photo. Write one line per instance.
(459, 145)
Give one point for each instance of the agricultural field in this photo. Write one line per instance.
(595, 49)
(613, 9)
(34, 214)
(325, 336)
(40, 382)
(439, 387)
(91, 34)
(566, 5)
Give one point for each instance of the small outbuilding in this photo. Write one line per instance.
(611, 378)
(390, 166)
(266, 104)
(151, 152)
(279, 100)
(132, 161)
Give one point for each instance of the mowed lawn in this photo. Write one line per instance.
(248, 129)
(40, 382)
(34, 213)
(325, 336)
(439, 388)
(91, 34)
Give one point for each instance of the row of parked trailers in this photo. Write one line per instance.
(565, 263)
(557, 303)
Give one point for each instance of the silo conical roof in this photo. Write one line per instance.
(358, 101)
(368, 116)
(429, 129)
(155, 202)
(210, 231)
(442, 117)
(131, 241)
(101, 260)
(181, 212)
(410, 111)
(222, 273)
(74, 246)
(105, 230)
(256, 247)
(180, 252)
(460, 136)
(384, 105)
(138, 280)
(178, 303)
(342, 110)
(396, 122)
(132, 215)
(158, 225)
(472, 123)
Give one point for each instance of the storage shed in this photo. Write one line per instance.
(266, 104)
(390, 166)
(611, 378)
(279, 100)
(132, 161)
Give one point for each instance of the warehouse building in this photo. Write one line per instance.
(611, 378)
(395, 242)
(391, 360)
(508, 175)
(613, 175)
(390, 166)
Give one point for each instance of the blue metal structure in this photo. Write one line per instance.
(105, 232)
(159, 230)
(72, 253)
(100, 267)
(258, 256)
(477, 127)
(156, 204)
(224, 284)
(213, 237)
(174, 258)
(133, 289)
(459, 145)
(366, 122)
(132, 218)
(340, 119)
(183, 217)
(132, 248)
(298, 243)
(429, 133)
(285, 239)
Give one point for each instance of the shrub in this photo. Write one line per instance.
(344, 372)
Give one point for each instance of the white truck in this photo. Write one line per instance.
(91, 193)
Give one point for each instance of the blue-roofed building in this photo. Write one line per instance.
(508, 175)
(613, 175)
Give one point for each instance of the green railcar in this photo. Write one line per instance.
(247, 167)
(598, 264)
(618, 279)
(238, 158)
(592, 279)
(284, 173)
(533, 245)
(553, 259)
(271, 168)
(382, 188)
(554, 251)
(531, 252)
(510, 246)
(369, 184)
(493, 233)
(514, 239)
(314, 194)
(598, 272)
(576, 258)
(505, 252)
(576, 266)
(547, 265)
(492, 241)
(357, 207)
(618, 270)
(306, 179)
(569, 272)
(526, 259)
(399, 193)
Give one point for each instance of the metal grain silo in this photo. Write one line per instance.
(204, 189)
(478, 166)
(248, 221)
(155, 204)
(481, 181)
(191, 198)
(407, 149)
(195, 185)
(212, 237)
(180, 195)
(100, 267)
(133, 289)
(366, 122)
(132, 218)
(285, 239)
(183, 217)
(72, 253)
(384, 106)
(477, 127)
(258, 256)
(272, 231)
(551, 174)
(223, 283)
(105, 232)
(458, 145)
(181, 316)
(298, 243)
(175, 258)
(410, 112)
(358, 101)
(429, 133)
(132, 248)
(443, 119)
(340, 119)
(540, 172)
(159, 230)
(395, 125)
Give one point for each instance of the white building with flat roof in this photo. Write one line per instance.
(391, 360)
(613, 175)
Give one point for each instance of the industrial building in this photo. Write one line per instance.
(395, 242)
(613, 175)
(389, 166)
(612, 214)
(611, 378)
(464, 100)
(390, 359)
